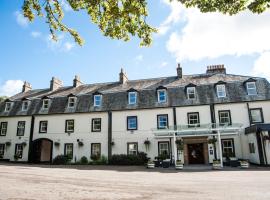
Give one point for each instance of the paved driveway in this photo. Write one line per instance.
(111, 182)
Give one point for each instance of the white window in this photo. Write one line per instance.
(25, 105)
(132, 98)
(132, 148)
(20, 128)
(3, 128)
(162, 121)
(193, 119)
(191, 92)
(251, 88)
(132, 123)
(45, 105)
(95, 151)
(69, 150)
(71, 102)
(43, 126)
(164, 149)
(162, 96)
(2, 150)
(96, 125)
(69, 125)
(8, 106)
(19, 150)
(97, 100)
(224, 117)
(228, 148)
(221, 92)
(256, 115)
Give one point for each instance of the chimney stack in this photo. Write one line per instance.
(179, 71)
(216, 69)
(26, 87)
(122, 77)
(77, 81)
(55, 84)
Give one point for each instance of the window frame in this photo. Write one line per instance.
(219, 117)
(2, 150)
(23, 128)
(224, 90)
(92, 149)
(95, 102)
(165, 95)
(16, 150)
(159, 149)
(261, 115)
(248, 89)
(40, 130)
(136, 119)
(45, 104)
(1, 128)
(65, 150)
(158, 121)
(9, 107)
(66, 127)
(198, 120)
(188, 93)
(252, 148)
(129, 150)
(135, 97)
(92, 125)
(23, 105)
(69, 102)
(232, 147)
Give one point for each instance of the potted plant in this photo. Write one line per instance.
(24, 144)
(244, 164)
(8, 143)
(180, 144)
(216, 164)
(112, 143)
(150, 164)
(212, 141)
(147, 143)
(266, 137)
(80, 143)
(16, 157)
(57, 144)
(179, 164)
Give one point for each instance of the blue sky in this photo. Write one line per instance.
(185, 35)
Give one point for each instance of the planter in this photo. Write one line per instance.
(244, 164)
(80, 143)
(57, 144)
(150, 165)
(179, 165)
(8, 144)
(166, 163)
(216, 165)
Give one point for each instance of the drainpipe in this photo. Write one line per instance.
(30, 148)
(109, 135)
(213, 120)
(174, 135)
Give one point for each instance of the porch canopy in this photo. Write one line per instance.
(211, 129)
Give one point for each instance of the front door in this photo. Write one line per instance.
(195, 153)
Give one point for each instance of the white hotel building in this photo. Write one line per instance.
(119, 117)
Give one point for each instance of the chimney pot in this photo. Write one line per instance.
(122, 77)
(216, 69)
(77, 81)
(179, 71)
(26, 87)
(55, 84)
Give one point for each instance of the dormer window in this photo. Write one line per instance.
(8, 106)
(45, 104)
(162, 95)
(191, 92)
(221, 91)
(97, 100)
(251, 88)
(132, 98)
(71, 102)
(25, 105)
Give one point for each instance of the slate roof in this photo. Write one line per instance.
(114, 94)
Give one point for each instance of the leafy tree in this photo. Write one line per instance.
(2, 98)
(120, 19)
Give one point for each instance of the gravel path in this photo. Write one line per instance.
(111, 182)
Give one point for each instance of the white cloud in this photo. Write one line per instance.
(173, 17)
(163, 64)
(35, 34)
(11, 87)
(68, 46)
(21, 20)
(262, 65)
(60, 45)
(65, 5)
(139, 58)
(211, 35)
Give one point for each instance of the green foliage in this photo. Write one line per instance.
(61, 160)
(117, 19)
(123, 159)
(84, 160)
(100, 161)
(2, 98)
(228, 6)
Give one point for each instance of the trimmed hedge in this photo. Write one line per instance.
(123, 159)
(61, 160)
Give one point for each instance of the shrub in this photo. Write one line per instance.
(61, 160)
(123, 159)
(84, 160)
(95, 157)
